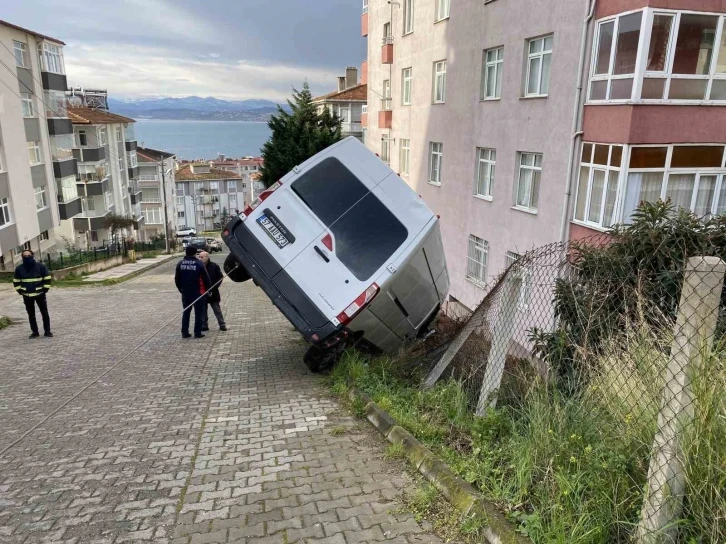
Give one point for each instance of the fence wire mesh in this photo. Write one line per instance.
(615, 347)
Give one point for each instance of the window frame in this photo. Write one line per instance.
(477, 247)
(533, 190)
(133, 161)
(37, 152)
(440, 161)
(24, 51)
(540, 55)
(6, 215)
(365, 7)
(386, 148)
(442, 10)
(386, 99)
(406, 86)
(40, 192)
(498, 65)
(102, 137)
(55, 52)
(442, 75)
(68, 189)
(26, 101)
(404, 150)
(489, 165)
(408, 17)
(607, 169)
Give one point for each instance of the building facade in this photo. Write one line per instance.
(248, 170)
(156, 181)
(206, 196)
(37, 169)
(534, 122)
(348, 102)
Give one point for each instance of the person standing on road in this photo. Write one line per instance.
(32, 281)
(192, 281)
(215, 277)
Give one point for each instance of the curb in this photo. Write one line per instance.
(458, 492)
(133, 274)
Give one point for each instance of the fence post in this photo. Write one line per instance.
(693, 336)
(500, 342)
(50, 265)
(61, 259)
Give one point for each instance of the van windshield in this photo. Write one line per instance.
(366, 232)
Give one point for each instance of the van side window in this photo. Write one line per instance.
(366, 232)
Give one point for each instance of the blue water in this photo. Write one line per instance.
(203, 139)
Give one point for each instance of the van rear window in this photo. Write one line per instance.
(366, 232)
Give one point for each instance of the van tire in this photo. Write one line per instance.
(319, 360)
(237, 275)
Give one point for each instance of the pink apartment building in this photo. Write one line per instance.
(523, 122)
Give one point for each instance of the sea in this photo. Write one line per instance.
(202, 139)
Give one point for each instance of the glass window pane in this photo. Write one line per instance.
(616, 156)
(491, 81)
(601, 154)
(688, 89)
(626, 49)
(535, 46)
(610, 194)
(721, 62)
(548, 43)
(680, 190)
(694, 47)
(587, 153)
(704, 198)
(535, 189)
(498, 90)
(596, 194)
(621, 89)
(718, 89)
(648, 157)
(538, 160)
(604, 48)
(545, 79)
(524, 191)
(658, 50)
(697, 156)
(653, 88)
(533, 80)
(721, 206)
(582, 193)
(642, 186)
(598, 90)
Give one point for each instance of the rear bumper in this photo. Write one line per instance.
(256, 260)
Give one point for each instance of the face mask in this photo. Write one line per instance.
(29, 260)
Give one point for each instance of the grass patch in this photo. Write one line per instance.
(395, 451)
(564, 469)
(5, 322)
(338, 431)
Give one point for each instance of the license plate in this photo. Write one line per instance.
(272, 231)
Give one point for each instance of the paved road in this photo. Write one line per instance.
(223, 439)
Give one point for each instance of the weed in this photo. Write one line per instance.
(395, 451)
(338, 431)
(5, 322)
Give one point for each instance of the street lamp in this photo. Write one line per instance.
(166, 212)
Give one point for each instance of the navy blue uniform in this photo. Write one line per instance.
(192, 281)
(32, 280)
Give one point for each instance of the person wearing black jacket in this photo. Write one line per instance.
(32, 281)
(215, 276)
(192, 281)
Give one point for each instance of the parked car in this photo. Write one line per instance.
(214, 245)
(346, 250)
(199, 243)
(185, 241)
(186, 231)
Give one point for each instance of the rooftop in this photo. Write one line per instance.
(234, 162)
(88, 116)
(146, 154)
(185, 174)
(36, 34)
(357, 93)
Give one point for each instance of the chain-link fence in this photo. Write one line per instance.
(617, 344)
(60, 259)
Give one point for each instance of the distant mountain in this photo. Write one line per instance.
(195, 107)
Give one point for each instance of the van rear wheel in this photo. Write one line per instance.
(238, 274)
(320, 360)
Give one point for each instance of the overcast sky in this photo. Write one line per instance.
(231, 49)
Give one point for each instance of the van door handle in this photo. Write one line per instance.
(322, 254)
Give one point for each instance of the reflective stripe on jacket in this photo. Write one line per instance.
(33, 281)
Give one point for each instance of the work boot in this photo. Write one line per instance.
(48, 334)
(34, 335)
(205, 328)
(222, 327)
(186, 335)
(198, 336)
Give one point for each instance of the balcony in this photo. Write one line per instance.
(130, 145)
(69, 209)
(133, 172)
(364, 24)
(94, 188)
(364, 72)
(364, 116)
(89, 154)
(351, 128)
(59, 126)
(385, 118)
(387, 50)
(65, 168)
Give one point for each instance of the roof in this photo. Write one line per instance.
(256, 161)
(36, 34)
(146, 154)
(88, 116)
(357, 93)
(185, 174)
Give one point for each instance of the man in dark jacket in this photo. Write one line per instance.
(193, 282)
(32, 281)
(215, 276)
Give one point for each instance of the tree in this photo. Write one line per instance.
(297, 136)
(116, 223)
(224, 218)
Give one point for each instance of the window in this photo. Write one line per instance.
(405, 156)
(233, 199)
(94, 235)
(26, 104)
(487, 159)
(82, 138)
(407, 16)
(153, 216)
(525, 289)
(40, 200)
(61, 147)
(692, 177)
(386, 100)
(51, 57)
(538, 66)
(231, 186)
(69, 191)
(406, 87)
(22, 59)
(385, 149)
(133, 160)
(492, 77)
(122, 164)
(108, 199)
(180, 215)
(530, 171)
(477, 260)
(439, 82)
(119, 134)
(4, 212)
(615, 58)
(365, 6)
(55, 104)
(365, 231)
(598, 184)
(44, 236)
(150, 195)
(34, 153)
(442, 9)
(436, 158)
(180, 201)
(102, 136)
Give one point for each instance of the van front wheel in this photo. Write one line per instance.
(319, 360)
(234, 270)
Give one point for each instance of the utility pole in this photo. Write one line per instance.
(166, 216)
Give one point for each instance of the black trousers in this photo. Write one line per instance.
(42, 303)
(198, 307)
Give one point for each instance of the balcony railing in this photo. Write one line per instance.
(386, 104)
(148, 177)
(364, 108)
(348, 128)
(387, 40)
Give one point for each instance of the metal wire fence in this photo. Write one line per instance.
(59, 260)
(616, 342)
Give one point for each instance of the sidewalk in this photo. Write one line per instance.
(118, 272)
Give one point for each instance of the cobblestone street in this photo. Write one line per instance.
(223, 439)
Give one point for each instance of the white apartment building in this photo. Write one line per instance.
(37, 170)
(206, 195)
(248, 170)
(348, 102)
(156, 180)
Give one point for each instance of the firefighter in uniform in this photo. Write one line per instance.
(32, 281)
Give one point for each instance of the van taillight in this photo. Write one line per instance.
(358, 304)
(328, 242)
(261, 198)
